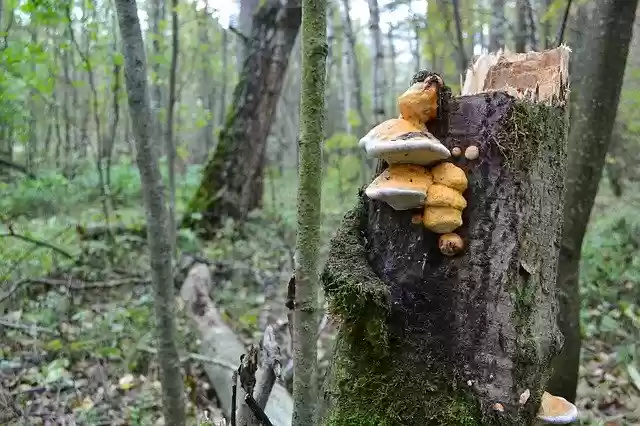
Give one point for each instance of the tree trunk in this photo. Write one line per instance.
(379, 81)
(497, 30)
(305, 313)
(232, 180)
(601, 71)
(157, 220)
(520, 36)
(432, 340)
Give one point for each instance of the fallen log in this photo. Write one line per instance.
(431, 337)
(219, 342)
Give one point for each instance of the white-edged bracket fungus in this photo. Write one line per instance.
(556, 410)
(406, 139)
(444, 203)
(402, 186)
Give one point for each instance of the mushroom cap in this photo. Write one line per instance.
(556, 410)
(441, 220)
(420, 101)
(402, 186)
(450, 244)
(398, 141)
(443, 196)
(448, 174)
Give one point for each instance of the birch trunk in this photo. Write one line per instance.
(379, 80)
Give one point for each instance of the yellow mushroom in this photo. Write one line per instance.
(450, 244)
(406, 139)
(444, 202)
(402, 186)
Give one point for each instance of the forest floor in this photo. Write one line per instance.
(77, 342)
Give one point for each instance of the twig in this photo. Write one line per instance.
(244, 38)
(25, 327)
(193, 357)
(234, 396)
(257, 411)
(564, 23)
(37, 242)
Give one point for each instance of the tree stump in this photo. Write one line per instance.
(427, 339)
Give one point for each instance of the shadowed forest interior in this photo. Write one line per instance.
(225, 80)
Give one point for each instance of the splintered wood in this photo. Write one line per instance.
(541, 77)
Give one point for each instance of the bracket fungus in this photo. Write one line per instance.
(406, 139)
(444, 204)
(556, 410)
(402, 186)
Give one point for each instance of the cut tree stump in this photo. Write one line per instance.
(427, 339)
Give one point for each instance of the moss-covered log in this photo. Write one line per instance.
(427, 339)
(232, 179)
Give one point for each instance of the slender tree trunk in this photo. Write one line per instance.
(169, 142)
(520, 36)
(497, 29)
(354, 67)
(157, 15)
(305, 317)
(462, 56)
(206, 80)
(379, 80)
(600, 72)
(223, 77)
(391, 95)
(429, 339)
(232, 179)
(158, 234)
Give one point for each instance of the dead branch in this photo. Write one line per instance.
(15, 166)
(13, 234)
(74, 284)
(221, 343)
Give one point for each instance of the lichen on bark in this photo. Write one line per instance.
(426, 339)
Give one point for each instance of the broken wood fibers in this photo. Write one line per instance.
(430, 340)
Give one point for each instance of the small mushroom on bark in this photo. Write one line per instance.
(472, 152)
(402, 186)
(450, 244)
(556, 410)
(444, 204)
(406, 139)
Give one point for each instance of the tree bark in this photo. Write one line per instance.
(602, 67)
(312, 116)
(497, 30)
(379, 78)
(157, 221)
(432, 340)
(232, 179)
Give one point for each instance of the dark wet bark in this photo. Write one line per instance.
(600, 71)
(232, 180)
(431, 340)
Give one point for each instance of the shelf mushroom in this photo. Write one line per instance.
(556, 410)
(402, 186)
(406, 139)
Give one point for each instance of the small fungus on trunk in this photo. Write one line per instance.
(556, 410)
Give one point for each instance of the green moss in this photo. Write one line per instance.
(374, 381)
(390, 391)
(356, 295)
(524, 130)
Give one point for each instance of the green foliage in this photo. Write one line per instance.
(610, 276)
